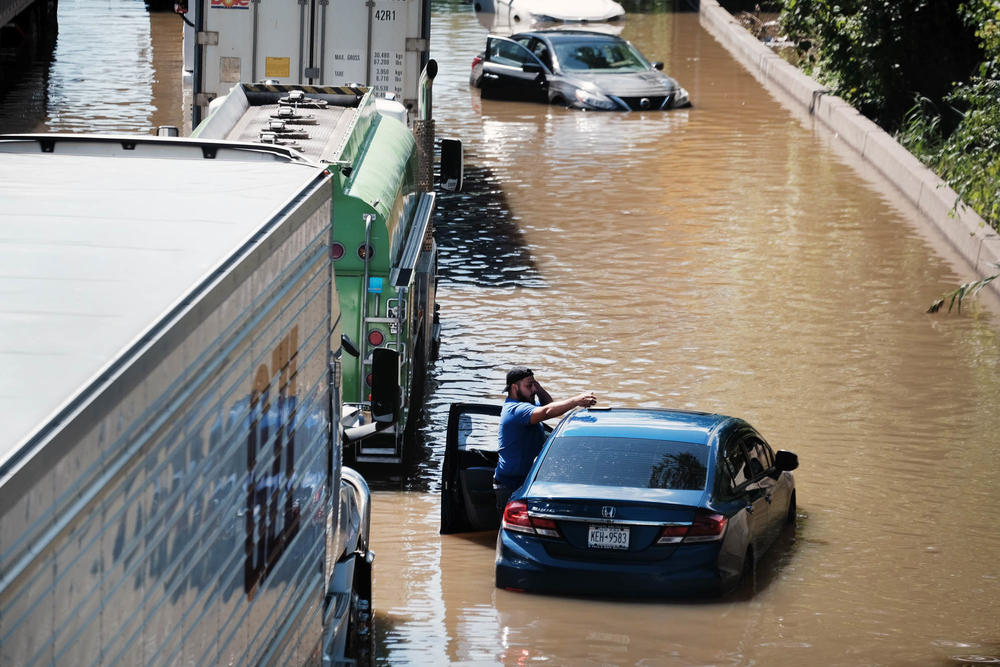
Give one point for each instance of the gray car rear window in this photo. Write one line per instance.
(629, 462)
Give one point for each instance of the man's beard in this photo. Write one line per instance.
(529, 399)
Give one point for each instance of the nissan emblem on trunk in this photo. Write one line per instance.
(608, 512)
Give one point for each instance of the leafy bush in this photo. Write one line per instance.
(877, 54)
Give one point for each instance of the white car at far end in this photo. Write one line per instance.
(524, 13)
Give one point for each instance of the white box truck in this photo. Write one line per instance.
(171, 485)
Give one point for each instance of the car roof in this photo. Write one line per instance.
(556, 36)
(649, 423)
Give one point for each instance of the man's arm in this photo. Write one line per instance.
(559, 408)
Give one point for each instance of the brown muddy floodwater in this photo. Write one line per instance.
(725, 258)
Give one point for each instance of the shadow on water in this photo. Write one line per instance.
(25, 62)
(773, 564)
(487, 539)
(23, 103)
(479, 243)
(384, 626)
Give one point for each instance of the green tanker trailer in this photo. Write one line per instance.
(382, 246)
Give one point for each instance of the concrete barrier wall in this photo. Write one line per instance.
(974, 240)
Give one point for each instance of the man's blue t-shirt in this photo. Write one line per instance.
(520, 441)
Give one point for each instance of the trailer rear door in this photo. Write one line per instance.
(379, 43)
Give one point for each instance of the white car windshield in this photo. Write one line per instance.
(598, 56)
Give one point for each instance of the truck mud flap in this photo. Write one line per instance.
(468, 503)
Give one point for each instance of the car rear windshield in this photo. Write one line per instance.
(629, 462)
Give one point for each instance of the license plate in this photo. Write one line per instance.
(607, 537)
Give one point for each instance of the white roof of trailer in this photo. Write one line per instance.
(95, 250)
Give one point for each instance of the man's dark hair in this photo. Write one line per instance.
(516, 374)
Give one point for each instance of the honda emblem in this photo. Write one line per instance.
(608, 512)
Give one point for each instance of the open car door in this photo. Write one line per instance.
(470, 456)
(511, 71)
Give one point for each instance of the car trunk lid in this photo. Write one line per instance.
(614, 526)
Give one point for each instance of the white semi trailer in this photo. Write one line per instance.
(380, 44)
(171, 485)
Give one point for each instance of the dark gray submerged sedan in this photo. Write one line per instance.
(581, 69)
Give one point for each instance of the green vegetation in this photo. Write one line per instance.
(927, 71)
(968, 290)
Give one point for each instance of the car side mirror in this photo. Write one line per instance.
(785, 461)
(658, 65)
(531, 68)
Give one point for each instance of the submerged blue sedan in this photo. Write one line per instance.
(645, 502)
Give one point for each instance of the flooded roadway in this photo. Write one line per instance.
(723, 258)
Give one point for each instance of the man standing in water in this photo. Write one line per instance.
(521, 434)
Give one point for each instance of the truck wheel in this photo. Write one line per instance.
(361, 635)
(361, 643)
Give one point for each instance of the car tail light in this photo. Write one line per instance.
(544, 526)
(476, 61)
(706, 527)
(673, 534)
(516, 518)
